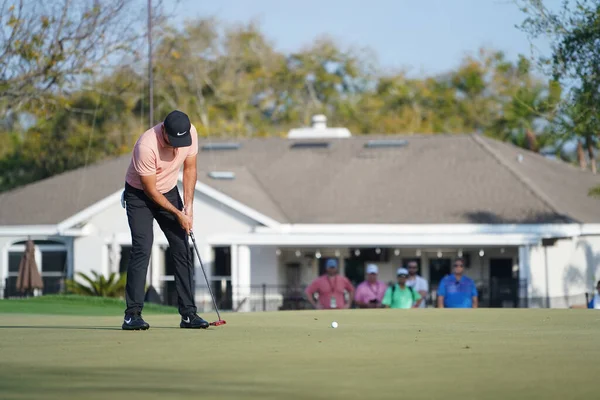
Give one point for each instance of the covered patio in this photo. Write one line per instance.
(269, 269)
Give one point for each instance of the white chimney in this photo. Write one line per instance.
(318, 130)
(319, 121)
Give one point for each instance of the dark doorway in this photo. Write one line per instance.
(293, 294)
(221, 278)
(438, 269)
(354, 269)
(504, 283)
(293, 275)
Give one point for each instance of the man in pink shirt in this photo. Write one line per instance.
(330, 287)
(371, 291)
(150, 194)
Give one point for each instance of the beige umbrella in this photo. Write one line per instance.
(29, 277)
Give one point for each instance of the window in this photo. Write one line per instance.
(14, 259)
(51, 260)
(54, 261)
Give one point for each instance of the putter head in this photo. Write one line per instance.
(218, 323)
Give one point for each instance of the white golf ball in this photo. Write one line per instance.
(334, 324)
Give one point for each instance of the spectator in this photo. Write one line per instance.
(417, 282)
(400, 295)
(595, 302)
(457, 290)
(330, 287)
(370, 292)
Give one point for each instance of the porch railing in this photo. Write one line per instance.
(265, 297)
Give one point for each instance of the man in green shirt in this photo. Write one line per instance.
(400, 295)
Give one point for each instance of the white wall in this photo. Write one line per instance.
(210, 217)
(573, 269)
(264, 265)
(91, 252)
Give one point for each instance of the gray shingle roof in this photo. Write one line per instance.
(434, 179)
(55, 199)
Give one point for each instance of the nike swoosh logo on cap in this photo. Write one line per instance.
(181, 133)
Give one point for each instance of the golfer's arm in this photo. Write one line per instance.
(190, 175)
(149, 185)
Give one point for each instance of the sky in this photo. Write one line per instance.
(421, 36)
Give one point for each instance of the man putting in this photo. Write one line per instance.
(150, 194)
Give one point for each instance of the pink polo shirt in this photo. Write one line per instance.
(365, 292)
(327, 288)
(151, 155)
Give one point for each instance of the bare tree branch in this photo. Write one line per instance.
(50, 46)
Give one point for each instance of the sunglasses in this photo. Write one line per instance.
(458, 265)
(402, 276)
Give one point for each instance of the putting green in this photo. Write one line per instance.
(75, 305)
(373, 354)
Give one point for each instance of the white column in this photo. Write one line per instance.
(234, 275)
(202, 295)
(240, 276)
(70, 257)
(208, 259)
(158, 268)
(525, 271)
(105, 257)
(243, 277)
(3, 266)
(114, 255)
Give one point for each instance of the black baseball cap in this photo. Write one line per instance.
(177, 127)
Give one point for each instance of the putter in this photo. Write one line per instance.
(220, 321)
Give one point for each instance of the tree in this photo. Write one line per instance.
(574, 34)
(232, 81)
(527, 105)
(47, 47)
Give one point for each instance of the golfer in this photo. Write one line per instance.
(150, 194)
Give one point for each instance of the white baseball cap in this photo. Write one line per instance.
(402, 271)
(372, 269)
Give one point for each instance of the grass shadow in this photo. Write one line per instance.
(142, 382)
(106, 328)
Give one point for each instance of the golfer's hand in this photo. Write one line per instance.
(185, 221)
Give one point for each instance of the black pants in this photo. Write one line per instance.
(141, 213)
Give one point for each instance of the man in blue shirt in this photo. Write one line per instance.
(457, 290)
(595, 302)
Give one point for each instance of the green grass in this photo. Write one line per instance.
(75, 305)
(374, 354)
